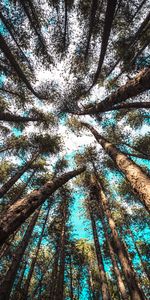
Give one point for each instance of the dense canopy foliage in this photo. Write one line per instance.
(74, 149)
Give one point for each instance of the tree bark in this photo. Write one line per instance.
(104, 284)
(19, 283)
(5, 49)
(139, 181)
(8, 117)
(6, 187)
(92, 19)
(131, 280)
(7, 283)
(23, 208)
(120, 283)
(71, 278)
(27, 283)
(110, 10)
(132, 88)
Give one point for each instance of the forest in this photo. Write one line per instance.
(74, 149)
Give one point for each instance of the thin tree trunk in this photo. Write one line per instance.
(71, 278)
(131, 280)
(92, 19)
(132, 88)
(7, 283)
(8, 117)
(19, 283)
(27, 283)
(139, 181)
(10, 29)
(5, 49)
(23, 208)
(103, 278)
(129, 106)
(60, 278)
(6, 187)
(54, 274)
(120, 283)
(110, 10)
(22, 190)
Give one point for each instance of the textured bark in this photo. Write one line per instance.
(130, 106)
(131, 280)
(23, 208)
(8, 117)
(5, 49)
(139, 181)
(132, 88)
(120, 283)
(27, 283)
(103, 278)
(60, 278)
(71, 278)
(92, 19)
(6, 187)
(22, 190)
(7, 283)
(110, 10)
(12, 32)
(19, 283)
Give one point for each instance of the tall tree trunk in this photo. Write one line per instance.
(19, 283)
(110, 10)
(8, 117)
(60, 278)
(71, 278)
(94, 6)
(5, 49)
(7, 283)
(23, 208)
(120, 283)
(139, 181)
(132, 88)
(9, 26)
(27, 283)
(131, 280)
(103, 278)
(6, 187)
(54, 275)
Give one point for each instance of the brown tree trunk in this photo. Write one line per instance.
(23, 208)
(132, 88)
(120, 283)
(27, 283)
(8, 117)
(94, 6)
(131, 280)
(139, 181)
(71, 278)
(6, 187)
(19, 283)
(103, 278)
(8, 54)
(60, 278)
(109, 15)
(7, 283)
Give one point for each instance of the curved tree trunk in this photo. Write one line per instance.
(23, 208)
(103, 278)
(139, 181)
(131, 280)
(7, 283)
(6, 187)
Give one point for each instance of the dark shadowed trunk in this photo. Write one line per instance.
(23, 208)
(128, 271)
(8, 117)
(132, 88)
(6, 187)
(27, 283)
(103, 278)
(7, 282)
